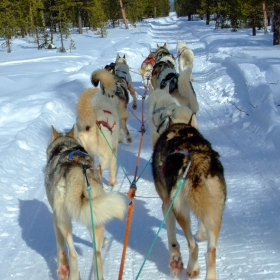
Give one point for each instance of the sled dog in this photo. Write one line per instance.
(161, 51)
(185, 56)
(67, 171)
(112, 87)
(147, 68)
(163, 108)
(182, 149)
(122, 71)
(180, 85)
(98, 128)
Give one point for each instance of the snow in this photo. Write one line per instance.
(237, 85)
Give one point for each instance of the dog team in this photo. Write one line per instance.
(180, 154)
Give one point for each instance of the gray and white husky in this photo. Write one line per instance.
(69, 171)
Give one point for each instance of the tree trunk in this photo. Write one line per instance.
(123, 14)
(80, 22)
(264, 19)
(276, 24)
(207, 17)
(8, 43)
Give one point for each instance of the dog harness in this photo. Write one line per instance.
(164, 119)
(120, 94)
(106, 124)
(172, 79)
(150, 60)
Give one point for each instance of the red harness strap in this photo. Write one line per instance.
(106, 124)
(150, 60)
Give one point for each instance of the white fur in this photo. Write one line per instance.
(161, 107)
(186, 56)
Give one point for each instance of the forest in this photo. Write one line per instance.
(42, 19)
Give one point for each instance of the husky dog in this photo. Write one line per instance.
(98, 128)
(113, 88)
(122, 71)
(163, 108)
(147, 68)
(185, 56)
(181, 152)
(68, 169)
(180, 85)
(161, 51)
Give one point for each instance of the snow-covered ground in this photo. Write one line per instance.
(238, 89)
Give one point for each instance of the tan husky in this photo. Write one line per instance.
(122, 71)
(182, 157)
(147, 68)
(68, 169)
(98, 128)
(113, 88)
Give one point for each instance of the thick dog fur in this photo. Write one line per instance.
(113, 88)
(164, 109)
(147, 68)
(183, 90)
(203, 192)
(93, 107)
(122, 71)
(185, 56)
(65, 184)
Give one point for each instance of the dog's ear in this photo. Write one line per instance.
(165, 46)
(55, 134)
(158, 46)
(71, 133)
(193, 121)
(118, 56)
(166, 89)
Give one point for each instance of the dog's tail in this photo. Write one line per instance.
(105, 77)
(105, 206)
(186, 89)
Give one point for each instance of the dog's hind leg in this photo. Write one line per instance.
(62, 262)
(124, 127)
(176, 263)
(201, 232)
(183, 218)
(133, 95)
(99, 240)
(65, 227)
(113, 168)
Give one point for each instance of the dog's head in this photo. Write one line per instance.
(181, 45)
(152, 55)
(120, 59)
(162, 47)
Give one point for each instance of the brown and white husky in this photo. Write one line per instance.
(183, 157)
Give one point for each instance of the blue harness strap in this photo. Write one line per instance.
(71, 154)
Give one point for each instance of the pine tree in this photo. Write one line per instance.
(8, 23)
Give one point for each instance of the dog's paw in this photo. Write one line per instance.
(129, 140)
(193, 273)
(112, 184)
(176, 266)
(134, 106)
(63, 272)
